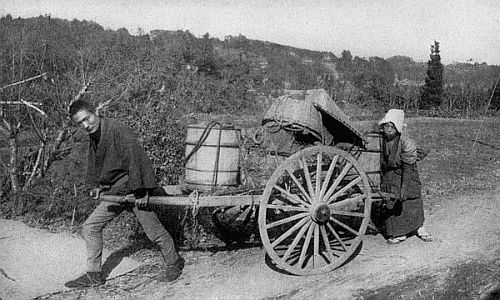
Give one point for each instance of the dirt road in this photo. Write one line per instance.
(468, 228)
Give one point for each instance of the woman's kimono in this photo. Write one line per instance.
(400, 177)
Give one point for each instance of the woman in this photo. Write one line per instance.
(402, 216)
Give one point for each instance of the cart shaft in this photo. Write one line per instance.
(201, 201)
(210, 201)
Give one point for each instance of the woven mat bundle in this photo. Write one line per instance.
(312, 112)
(294, 115)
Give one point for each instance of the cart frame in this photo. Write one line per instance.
(313, 213)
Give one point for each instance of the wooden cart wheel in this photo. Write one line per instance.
(314, 210)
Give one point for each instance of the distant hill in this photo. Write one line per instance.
(261, 67)
(266, 54)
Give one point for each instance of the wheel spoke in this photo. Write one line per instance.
(287, 207)
(347, 213)
(292, 197)
(299, 185)
(344, 189)
(306, 244)
(338, 180)
(316, 244)
(326, 241)
(344, 225)
(307, 175)
(348, 201)
(319, 164)
(289, 232)
(296, 240)
(337, 237)
(286, 220)
(328, 176)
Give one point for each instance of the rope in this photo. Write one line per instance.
(278, 118)
(194, 197)
(258, 136)
(202, 138)
(280, 121)
(216, 167)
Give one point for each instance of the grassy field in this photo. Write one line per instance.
(464, 154)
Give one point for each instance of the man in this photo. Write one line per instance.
(117, 164)
(403, 216)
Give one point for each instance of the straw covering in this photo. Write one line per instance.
(295, 115)
(315, 112)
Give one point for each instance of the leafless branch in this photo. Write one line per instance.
(36, 166)
(6, 128)
(23, 81)
(35, 127)
(103, 105)
(18, 103)
(2, 164)
(28, 104)
(492, 94)
(80, 94)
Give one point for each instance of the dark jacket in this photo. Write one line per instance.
(399, 168)
(118, 154)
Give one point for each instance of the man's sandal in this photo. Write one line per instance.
(89, 279)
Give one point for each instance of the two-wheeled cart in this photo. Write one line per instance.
(315, 208)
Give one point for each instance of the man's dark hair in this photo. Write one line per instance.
(79, 105)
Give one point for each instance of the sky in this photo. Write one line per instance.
(467, 30)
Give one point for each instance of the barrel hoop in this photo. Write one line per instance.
(211, 171)
(207, 184)
(215, 146)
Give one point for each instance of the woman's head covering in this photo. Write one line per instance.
(396, 117)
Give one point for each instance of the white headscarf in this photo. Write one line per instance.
(396, 117)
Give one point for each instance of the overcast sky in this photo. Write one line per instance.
(466, 29)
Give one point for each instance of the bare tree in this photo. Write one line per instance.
(11, 122)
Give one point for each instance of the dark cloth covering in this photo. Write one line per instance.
(404, 214)
(117, 154)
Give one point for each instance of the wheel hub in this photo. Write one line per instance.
(320, 213)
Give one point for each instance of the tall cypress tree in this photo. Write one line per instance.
(432, 91)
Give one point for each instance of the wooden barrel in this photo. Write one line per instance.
(213, 152)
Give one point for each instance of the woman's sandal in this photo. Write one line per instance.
(424, 235)
(396, 240)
